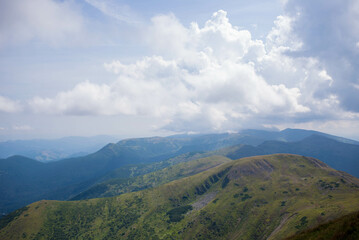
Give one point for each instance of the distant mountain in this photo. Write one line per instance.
(339, 155)
(19, 178)
(46, 150)
(263, 197)
(292, 135)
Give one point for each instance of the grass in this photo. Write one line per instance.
(346, 227)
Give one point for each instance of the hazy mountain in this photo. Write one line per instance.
(264, 197)
(292, 135)
(339, 155)
(68, 177)
(46, 150)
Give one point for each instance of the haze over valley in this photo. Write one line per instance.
(179, 119)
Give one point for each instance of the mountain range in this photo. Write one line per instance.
(46, 150)
(134, 166)
(24, 180)
(263, 197)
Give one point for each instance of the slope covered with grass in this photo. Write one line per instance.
(346, 227)
(117, 186)
(264, 197)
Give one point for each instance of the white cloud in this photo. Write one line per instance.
(214, 77)
(115, 10)
(48, 21)
(85, 99)
(9, 106)
(208, 80)
(329, 31)
(163, 28)
(282, 36)
(22, 128)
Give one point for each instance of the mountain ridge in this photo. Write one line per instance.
(256, 194)
(321, 147)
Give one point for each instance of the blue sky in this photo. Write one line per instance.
(143, 68)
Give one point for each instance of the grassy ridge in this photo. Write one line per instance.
(272, 197)
(119, 186)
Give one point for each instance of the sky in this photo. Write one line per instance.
(145, 68)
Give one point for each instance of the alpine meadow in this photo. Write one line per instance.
(179, 119)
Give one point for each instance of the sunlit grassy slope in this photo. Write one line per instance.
(263, 197)
(346, 227)
(117, 186)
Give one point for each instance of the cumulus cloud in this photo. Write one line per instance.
(85, 99)
(208, 80)
(9, 106)
(329, 32)
(49, 21)
(215, 77)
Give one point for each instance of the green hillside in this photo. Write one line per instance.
(119, 186)
(133, 170)
(273, 196)
(346, 227)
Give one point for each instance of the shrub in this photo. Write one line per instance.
(176, 214)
